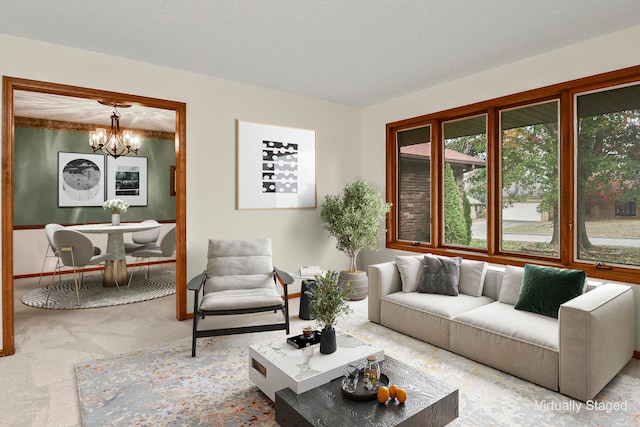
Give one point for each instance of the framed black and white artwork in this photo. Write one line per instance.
(80, 179)
(276, 167)
(127, 179)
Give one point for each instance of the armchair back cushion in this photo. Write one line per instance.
(239, 264)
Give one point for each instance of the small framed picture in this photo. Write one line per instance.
(276, 167)
(80, 179)
(127, 179)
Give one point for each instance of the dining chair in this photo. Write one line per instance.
(143, 239)
(51, 251)
(77, 251)
(49, 229)
(166, 249)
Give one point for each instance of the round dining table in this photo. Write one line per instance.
(117, 275)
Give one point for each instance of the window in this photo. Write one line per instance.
(626, 209)
(465, 182)
(550, 176)
(608, 175)
(414, 182)
(529, 148)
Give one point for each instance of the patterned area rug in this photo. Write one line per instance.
(163, 385)
(93, 295)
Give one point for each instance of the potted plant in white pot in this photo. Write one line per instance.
(327, 302)
(356, 219)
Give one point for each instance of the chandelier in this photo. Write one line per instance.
(116, 143)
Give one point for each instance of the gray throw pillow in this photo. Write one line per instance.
(440, 275)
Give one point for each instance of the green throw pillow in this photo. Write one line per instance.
(544, 289)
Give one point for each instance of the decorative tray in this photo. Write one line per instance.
(362, 393)
(300, 341)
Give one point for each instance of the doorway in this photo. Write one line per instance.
(9, 86)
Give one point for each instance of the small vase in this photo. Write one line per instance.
(328, 341)
(115, 218)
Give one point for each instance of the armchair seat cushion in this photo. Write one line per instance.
(239, 299)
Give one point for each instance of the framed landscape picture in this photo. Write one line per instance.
(80, 179)
(276, 167)
(127, 179)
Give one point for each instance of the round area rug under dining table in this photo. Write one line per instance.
(160, 283)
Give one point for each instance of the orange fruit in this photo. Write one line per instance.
(383, 394)
(393, 389)
(401, 395)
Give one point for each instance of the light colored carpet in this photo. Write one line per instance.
(163, 385)
(160, 283)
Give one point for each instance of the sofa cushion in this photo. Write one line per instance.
(518, 342)
(440, 275)
(472, 275)
(544, 289)
(410, 268)
(437, 304)
(511, 282)
(504, 320)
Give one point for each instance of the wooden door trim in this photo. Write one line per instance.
(9, 85)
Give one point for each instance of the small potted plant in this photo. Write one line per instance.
(356, 219)
(327, 302)
(116, 206)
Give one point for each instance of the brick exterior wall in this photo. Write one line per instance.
(414, 206)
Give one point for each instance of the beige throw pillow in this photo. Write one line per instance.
(410, 268)
(472, 274)
(511, 283)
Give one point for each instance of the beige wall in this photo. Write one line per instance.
(608, 53)
(213, 106)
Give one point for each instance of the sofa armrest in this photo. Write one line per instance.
(384, 279)
(596, 339)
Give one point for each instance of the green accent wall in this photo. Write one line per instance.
(35, 189)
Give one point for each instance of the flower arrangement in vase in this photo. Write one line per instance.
(117, 207)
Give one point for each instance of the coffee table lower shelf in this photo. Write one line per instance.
(430, 402)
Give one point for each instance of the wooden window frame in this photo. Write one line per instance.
(565, 93)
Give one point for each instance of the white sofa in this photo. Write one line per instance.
(576, 354)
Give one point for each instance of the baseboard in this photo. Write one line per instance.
(90, 269)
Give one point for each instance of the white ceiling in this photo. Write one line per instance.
(80, 110)
(355, 52)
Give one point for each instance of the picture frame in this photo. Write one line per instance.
(80, 179)
(127, 179)
(276, 167)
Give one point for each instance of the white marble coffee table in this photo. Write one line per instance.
(275, 364)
